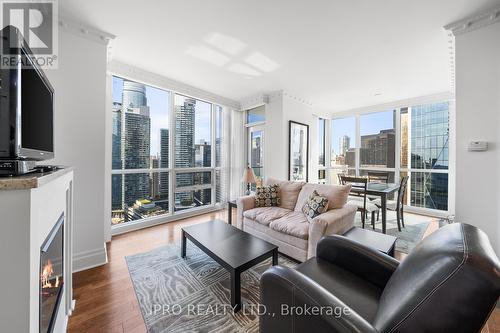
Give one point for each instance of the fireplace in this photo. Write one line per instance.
(51, 276)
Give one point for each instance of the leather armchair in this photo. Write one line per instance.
(449, 283)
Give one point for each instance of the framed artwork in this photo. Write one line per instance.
(298, 151)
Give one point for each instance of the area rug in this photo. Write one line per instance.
(408, 237)
(193, 294)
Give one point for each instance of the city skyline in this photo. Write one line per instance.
(140, 195)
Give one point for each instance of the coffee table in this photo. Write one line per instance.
(382, 242)
(232, 248)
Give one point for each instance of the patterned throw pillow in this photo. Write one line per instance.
(315, 205)
(267, 196)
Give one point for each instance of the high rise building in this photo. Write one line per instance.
(378, 150)
(344, 144)
(154, 180)
(164, 146)
(429, 151)
(404, 137)
(136, 127)
(203, 154)
(185, 149)
(116, 162)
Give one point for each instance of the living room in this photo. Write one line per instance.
(230, 166)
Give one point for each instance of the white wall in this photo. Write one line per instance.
(280, 109)
(478, 118)
(80, 90)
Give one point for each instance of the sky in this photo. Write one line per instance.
(371, 123)
(158, 102)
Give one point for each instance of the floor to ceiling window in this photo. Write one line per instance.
(255, 120)
(408, 141)
(425, 154)
(145, 183)
(343, 148)
(377, 149)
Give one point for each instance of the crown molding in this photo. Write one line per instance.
(134, 73)
(297, 98)
(254, 101)
(474, 22)
(85, 31)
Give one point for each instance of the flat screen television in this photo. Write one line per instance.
(26, 102)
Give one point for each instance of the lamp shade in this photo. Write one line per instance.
(248, 175)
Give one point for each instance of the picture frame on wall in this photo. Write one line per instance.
(298, 151)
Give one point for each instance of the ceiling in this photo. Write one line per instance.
(336, 54)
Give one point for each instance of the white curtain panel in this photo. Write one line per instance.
(237, 153)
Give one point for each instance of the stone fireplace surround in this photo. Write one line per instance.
(30, 206)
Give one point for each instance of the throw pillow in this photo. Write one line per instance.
(315, 205)
(267, 196)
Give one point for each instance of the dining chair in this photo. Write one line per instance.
(359, 185)
(398, 204)
(378, 177)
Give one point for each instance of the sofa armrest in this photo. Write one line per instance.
(242, 204)
(364, 261)
(334, 221)
(283, 289)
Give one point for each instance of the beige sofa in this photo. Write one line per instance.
(287, 227)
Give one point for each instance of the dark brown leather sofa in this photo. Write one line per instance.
(449, 283)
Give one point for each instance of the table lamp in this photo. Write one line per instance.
(248, 178)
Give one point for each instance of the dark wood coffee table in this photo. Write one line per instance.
(233, 249)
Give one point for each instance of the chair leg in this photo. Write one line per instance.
(373, 220)
(402, 217)
(363, 219)
(398, 217)
(378, 214)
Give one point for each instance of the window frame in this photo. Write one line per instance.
(398, 169)
(171, 214)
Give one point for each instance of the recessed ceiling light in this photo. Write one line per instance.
(377, 94)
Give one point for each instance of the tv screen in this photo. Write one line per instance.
(37, 130)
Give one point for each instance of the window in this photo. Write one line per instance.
(321, 151)
(141, 147)
(255, 132)
(256, 151)
(427, 145)
(378, 140)
(343, 143)
(256, 115)
(321, 141)
(410, 141)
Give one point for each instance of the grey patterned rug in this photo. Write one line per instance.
(193, 294)
(408, 237)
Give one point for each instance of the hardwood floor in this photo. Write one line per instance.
(105, 298)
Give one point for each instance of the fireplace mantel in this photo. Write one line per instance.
(30, 206)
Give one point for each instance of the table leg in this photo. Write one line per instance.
(230, 214)
(383, 199)
(183, 244)
(275, 257)
(235, 290)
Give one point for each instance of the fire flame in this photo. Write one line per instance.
(47, 273)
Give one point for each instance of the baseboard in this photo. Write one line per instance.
(89, 259)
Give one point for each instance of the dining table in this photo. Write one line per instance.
(382, 190)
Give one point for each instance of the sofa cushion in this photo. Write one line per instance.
(293, 224)
(336, 195)
(289, 192)
(315, 205)
(267, 196)
(264, 215)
